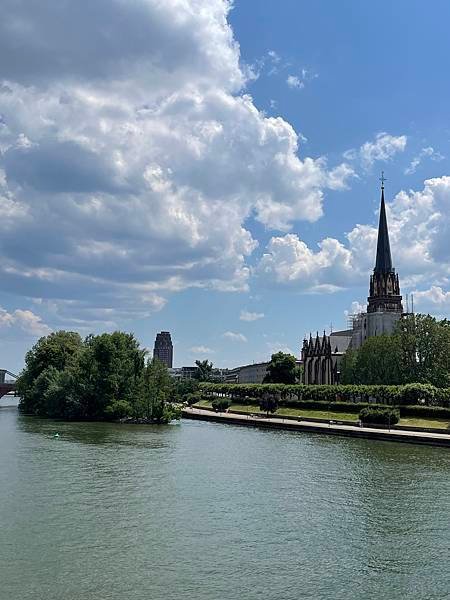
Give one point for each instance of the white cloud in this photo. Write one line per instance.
(428, 152)
(295, 82)
(419, 225)
(131, 164)
(383, 148)
(356, 308)
(250, 316)
(290, 261)
(432, 300)
(274, 347)
(25, 320)
(235, 337)
(201, 350)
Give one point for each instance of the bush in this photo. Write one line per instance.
(221, 404)
(380, 415)
(193, 398)
(426, 412)
(118, 409)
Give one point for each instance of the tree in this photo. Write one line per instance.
(268, 403)
(348, 367)
(102, 377)
(204, 370)
(425, 345)
(108, 370)
(378, 361)
(154, 393)
(281, 369)
(418, 351)
(50, 355)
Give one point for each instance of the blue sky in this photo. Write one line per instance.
(214, 170)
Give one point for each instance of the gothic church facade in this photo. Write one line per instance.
(322, 356)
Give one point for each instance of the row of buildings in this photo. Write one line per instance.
(163, 351)
(321, 356)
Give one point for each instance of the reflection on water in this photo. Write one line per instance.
(205, 511)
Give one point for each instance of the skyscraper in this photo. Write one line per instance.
(163, 349)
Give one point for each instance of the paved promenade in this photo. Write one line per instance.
(331, 428)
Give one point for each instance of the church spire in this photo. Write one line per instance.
(384, 290)
(383, 262)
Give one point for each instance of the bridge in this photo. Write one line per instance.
(7, 385)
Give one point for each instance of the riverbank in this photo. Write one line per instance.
(330, 428)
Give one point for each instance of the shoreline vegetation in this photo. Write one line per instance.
(108, 377)
(324, 415)
(105, 377)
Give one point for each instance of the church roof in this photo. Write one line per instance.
(384, 261)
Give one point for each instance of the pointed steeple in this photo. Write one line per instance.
(383, 262)
(384, 289)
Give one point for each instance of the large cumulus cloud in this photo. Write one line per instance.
(131, 158)
(419, 225)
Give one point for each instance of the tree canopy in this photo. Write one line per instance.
(417, 352)
(281, 369)
(103, 377)
(204, 370)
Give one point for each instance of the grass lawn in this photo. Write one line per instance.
(290, 412)
(331, 415)
(431, 423)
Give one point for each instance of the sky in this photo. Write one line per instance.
(212, 169)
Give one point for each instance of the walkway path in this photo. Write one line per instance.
(417, 437)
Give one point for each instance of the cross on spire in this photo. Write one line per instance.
(382, 179)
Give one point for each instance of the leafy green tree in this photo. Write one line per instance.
(204, 370)
(51, 354)
(281, 369)
(155, 392)
(108, 369)
(268, 403)
(379, 361)
(425, 346)
(184, 389)
(348, 367)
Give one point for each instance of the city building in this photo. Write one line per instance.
(184, 373)
(163, 349)
(253, 373)
(321, 357)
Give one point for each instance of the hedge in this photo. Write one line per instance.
(410, 394)
(385, 415)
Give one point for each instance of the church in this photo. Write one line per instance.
(322, 356)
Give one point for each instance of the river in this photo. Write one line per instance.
(202, 511)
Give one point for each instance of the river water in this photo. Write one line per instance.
(203, 511)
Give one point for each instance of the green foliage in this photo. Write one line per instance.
(154, 392)
(193, 398)
(119, 409)
(221, 404)
(102, 377)
(417, 352)
(425, 412)
(204, 370)
(50, 355)
(378, 362)
(380, 415)
(183, 389)
(281, 369)
(293, 395)
(268, 403)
